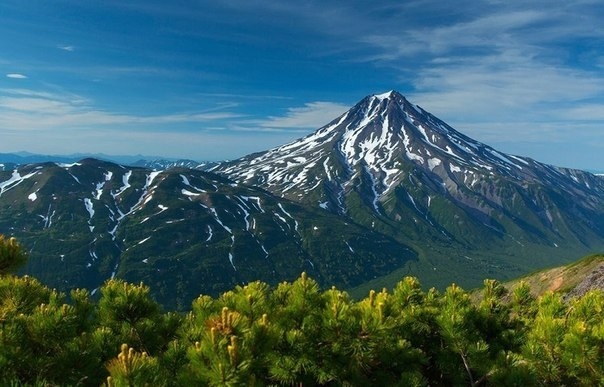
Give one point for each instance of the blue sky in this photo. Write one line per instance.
(211, 80)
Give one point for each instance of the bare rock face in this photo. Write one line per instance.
(595, 280)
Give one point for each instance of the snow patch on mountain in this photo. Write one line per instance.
(210, 233)
(186, 182)
(144, 240)
(189, 193)
(14, 181)
(433, 163)
(99, 186)
(217, 219)
(89, 207)
(67, 166)
(48, 217)
(125, 184)
(246, 214)
(255, 200)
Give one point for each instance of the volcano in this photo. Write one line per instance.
(390, 165)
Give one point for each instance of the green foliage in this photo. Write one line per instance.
(565, 344)
(40, 335)
(131, 369)
(298, 334)
(12, 256)
(133, 317)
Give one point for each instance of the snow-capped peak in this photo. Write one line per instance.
(385, 95)
(375, 144)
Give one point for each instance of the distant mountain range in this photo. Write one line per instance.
(385, 190)
(9, 160)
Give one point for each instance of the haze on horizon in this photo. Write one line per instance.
(218, 80)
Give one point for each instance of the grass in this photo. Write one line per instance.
(561, 278)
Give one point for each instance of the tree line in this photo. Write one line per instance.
(296, 334)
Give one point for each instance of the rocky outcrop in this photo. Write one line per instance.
(595, 280)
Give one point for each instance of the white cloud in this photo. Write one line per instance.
(501, 74)
(486, 87)
(66, 48)
(312, 115)
(583, 112)
(510, 97)
(16, 76)
(510, 132)
(28, 109)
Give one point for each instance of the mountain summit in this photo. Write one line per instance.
(391, 165)
(373, 139)
(380, 140)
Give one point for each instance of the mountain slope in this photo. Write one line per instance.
(184, 232)
(574, 279)
(391, 166)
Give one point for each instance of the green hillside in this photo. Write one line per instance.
(587, 272)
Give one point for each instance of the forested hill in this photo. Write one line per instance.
(182, 231)
(297, 334)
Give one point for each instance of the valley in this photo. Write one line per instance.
(383, 191)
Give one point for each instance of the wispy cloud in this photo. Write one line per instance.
(294, 123)
(472, 38)
(524, 104)
(502, 82)
(16, 76)
(246, 96)
(501, 71)
(23, 109)
(312, 115)
(66, 47)
(584, 112)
